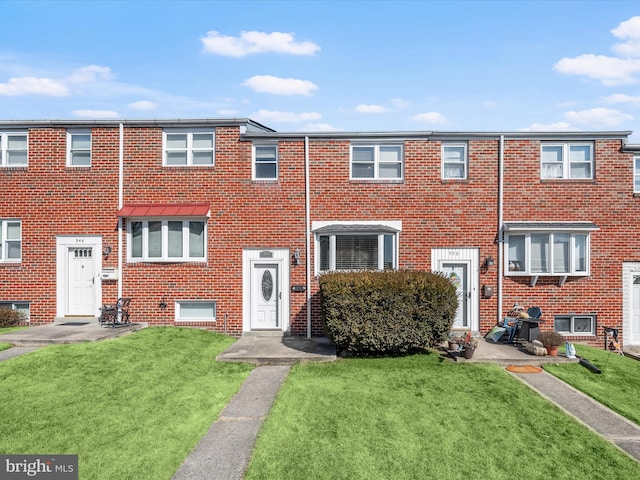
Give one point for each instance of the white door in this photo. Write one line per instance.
(265, 296)
(634, 335)
(81, 281)
(457, 273)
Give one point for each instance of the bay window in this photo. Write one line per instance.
(174, 240)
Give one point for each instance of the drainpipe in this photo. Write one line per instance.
(500, 222)
(120, 203)
(307, 233)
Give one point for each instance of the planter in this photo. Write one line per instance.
(453, 346)
(552, 351)
(468, 352)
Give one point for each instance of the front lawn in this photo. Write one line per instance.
(421, 418)
(131, 408)
(616, 387)
(5, 346)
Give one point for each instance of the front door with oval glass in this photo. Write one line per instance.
(265, 296)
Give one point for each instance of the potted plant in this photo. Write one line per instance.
(551, 341)
(455, 342)
(469, 345)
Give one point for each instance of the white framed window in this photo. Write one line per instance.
(454, 161)
(19, 306)
(575, 324)
(265, 161)
(547, 253)
(377, 162)
(10, 240)
(566, 161)
(166, 240)
(636, 174)
(79, 148)
(195, 311)
(189, 147)
(14, 149)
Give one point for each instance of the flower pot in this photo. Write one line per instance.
(552, 351)
(468, 352)
(453, 346)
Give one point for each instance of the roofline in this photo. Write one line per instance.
(251, 125)
(632, 148)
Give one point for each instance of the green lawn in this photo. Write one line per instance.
(5, 346)
(616, 387)
(11, 329)
(421, 418)
(131, 408)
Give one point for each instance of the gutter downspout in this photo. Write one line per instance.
(307, 233)
(500, 223)
(120, 203)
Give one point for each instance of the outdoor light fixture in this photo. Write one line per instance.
(106, 251)
(488, 262)
(296, 256)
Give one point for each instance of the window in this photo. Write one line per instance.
(265, 162)
(575, 324)
(10, 240)
(567, 161)
(13, 149)
(182, 147)
(636, 174)
(561, 250)
(454, 161)
(196, 311)
(19, 306)
(79, 148)
(172, 240)
(376, 162)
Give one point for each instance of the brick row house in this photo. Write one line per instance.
(227, 224)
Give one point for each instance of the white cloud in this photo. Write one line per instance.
(550, 127)
(256, 42)
(321, 127)
(621, 98)
(143, 105)
(96, 113)
(33, 86)
(608, 70)
(90, 74)
(629, 29)
(228, 112)
(430, 117)
(399, 103)
(277, 116)
(280, 86)
(363, 108)
(600, 117)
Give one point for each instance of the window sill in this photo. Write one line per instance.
(377, 180)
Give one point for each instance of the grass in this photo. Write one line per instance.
(5, 346)
(616, 387)
(131, 408)
(11, 329)
(420, 418)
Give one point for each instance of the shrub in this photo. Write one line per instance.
(551, 339)
(10, 318)
(392, 312)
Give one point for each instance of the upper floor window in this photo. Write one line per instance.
(13, 149)
(555, 252)
(79, 148)
(10, 240)
(567, 161)
(173, 240)
(189, 147)
(454, 161)
(265, 162)
(376, 162)
(636, 174)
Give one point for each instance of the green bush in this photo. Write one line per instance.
(10, 318)
(386, 313)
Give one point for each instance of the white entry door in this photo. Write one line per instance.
(458, 274)
(81, 281)
(634, 335)
(265, 296)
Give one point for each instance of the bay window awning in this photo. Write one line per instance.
(134, 210)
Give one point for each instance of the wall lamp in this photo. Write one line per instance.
(296, 256)
(106, 251)
(488, 262)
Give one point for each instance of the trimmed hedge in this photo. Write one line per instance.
(10, 317)
(387, 313)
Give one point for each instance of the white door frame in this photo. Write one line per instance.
(267, 256)
(63, 245)
(470, 258)
(629, 270)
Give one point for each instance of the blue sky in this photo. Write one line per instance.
(327, 66)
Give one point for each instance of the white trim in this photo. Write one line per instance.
(393, 224)
(189, 148)
(178, 308)
(254, 163)
(629, 269)
(252, 257)
(70, 134)
(464, 162)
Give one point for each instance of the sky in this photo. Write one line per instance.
(348, 66)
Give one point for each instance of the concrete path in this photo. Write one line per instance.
(612, 426)
(225, 450)
(15, 352)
